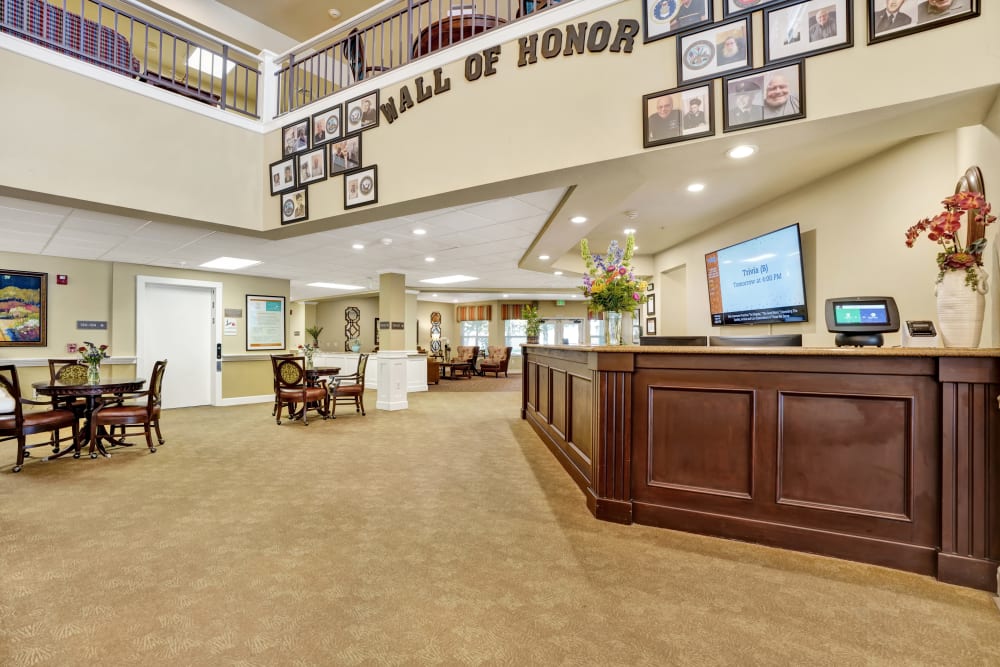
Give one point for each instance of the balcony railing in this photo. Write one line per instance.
(387, 36)
(141, 43)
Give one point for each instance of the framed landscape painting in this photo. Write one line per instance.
(23, 308)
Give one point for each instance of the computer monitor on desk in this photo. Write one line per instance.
(776, 340)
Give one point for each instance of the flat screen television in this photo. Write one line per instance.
(758, 281)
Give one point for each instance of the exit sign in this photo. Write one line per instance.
(561, 302)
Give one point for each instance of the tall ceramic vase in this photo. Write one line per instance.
(613, 331)
(960, 308)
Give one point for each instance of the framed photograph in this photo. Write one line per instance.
(666, 17)
(677, 115)
(327, 126)
(651, 305)
(23, 308)
(282, 175)
(312, 166)
(362, 113)
(807, 28)
(650, 326)
(295, 137)
(725, 47)
(733, 7)
(376, 332)
(765, 96)
(361, 187)
(345, 155)
(888, 19)
(650, 286)
(265, 322)
(294, 206)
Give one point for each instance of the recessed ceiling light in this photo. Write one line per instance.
(334, 13)
(578, 219)
(445, 280)
(335, 286)
(740, 152)
(629, 231)
(208, 62)
(358, 246)
(696, 187)
(229, 263)
(506, 295)
(428, 259)
(557, 273)
(419, 232)
(433, 294)
(635, 247)
(543, 257)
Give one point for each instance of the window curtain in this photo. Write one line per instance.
(511, 311)
(472, 313)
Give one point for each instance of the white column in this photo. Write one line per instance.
(391, 393)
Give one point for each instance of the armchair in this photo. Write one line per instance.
(16, 424)
(496, 362)
(143, 413)
(353, 392)
(467, 354)
(292, 388)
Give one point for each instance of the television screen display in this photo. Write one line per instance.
(758, 281)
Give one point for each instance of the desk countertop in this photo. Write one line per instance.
(923, 352)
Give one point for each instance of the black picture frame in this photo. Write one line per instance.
(662, 18)
(807, 28)
(707, 54)
(327, 125)
(738, 113)
(295, 137)
(294, 206)
(282, 175)
(24, 308)
(651, 305)
(345, 155)
(311, 166)
(737, 7)
(650, 286)
(360, 117)
(913, 17)
(680, 123)
(376, 332)
(361, 187)
(650, 326)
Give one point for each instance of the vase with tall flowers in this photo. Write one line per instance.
(93, 355)
(611, 285)
(962, 281)
(308, 350)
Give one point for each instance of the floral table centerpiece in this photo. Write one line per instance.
(93, 355)
(962, 281)
(611, 285)
(308, 350)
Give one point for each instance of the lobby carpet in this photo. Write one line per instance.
(444, 534)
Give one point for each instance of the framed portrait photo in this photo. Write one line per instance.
(769, 95)
(312, 166)
(282, 175)
(808, 27)
(705, 54)
(345, 155)
(327, 125)
(888, 19)
(23, 308)
(663, 18)
(362, 113)
(678, 115)
(294, 206)
(361, 187)
(651, 305)
(650, 326)
(295, 137)
(732, 7)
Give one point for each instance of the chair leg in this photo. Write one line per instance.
(361, 403)
(149, 439)
(159, 436)
(21, 444)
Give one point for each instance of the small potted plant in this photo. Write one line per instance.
(314, 332)
(533, 323)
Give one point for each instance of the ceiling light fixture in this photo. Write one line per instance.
(419, 232)
(335, 286)
(229, 263)
(578, 219)
(334, 13)
(696, 187)
(506, 295)
(740, 152)
(428, 259)
(358, 246)
(446, 280)
(557, 273)
(209, 63)
(629, 230)
(543, 257)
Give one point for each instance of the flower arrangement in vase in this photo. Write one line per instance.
(93, 355)
(611, 285)
(308, 350)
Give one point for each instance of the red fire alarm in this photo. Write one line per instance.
(62, 279)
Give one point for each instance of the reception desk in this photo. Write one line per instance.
(886, 456)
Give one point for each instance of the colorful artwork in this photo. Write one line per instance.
(22, 308)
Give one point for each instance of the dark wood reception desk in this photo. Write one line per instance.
(886, 456)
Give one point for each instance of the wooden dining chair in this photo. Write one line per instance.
(136, 410)
(69, 371)
(16, 424)
(353, 392)
(292, 388)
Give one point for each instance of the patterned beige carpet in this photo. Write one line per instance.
(445, 534)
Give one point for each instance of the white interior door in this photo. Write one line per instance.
(175, 320)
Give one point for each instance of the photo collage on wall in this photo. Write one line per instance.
(709, 49)
(323, 146)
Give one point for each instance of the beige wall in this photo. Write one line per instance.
(330, 315)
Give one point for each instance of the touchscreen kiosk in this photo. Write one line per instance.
(861, 320)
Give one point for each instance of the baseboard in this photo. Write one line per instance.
(391, 405)
(246, 400)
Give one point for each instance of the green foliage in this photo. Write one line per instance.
(533, 323)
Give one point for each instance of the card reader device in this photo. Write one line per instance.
(920, 333)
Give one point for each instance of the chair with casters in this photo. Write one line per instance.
(16, 424)
(142, 412)
(292, 388)
(496, 362)
(69, 371)
(274, 409)
(352, 392)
